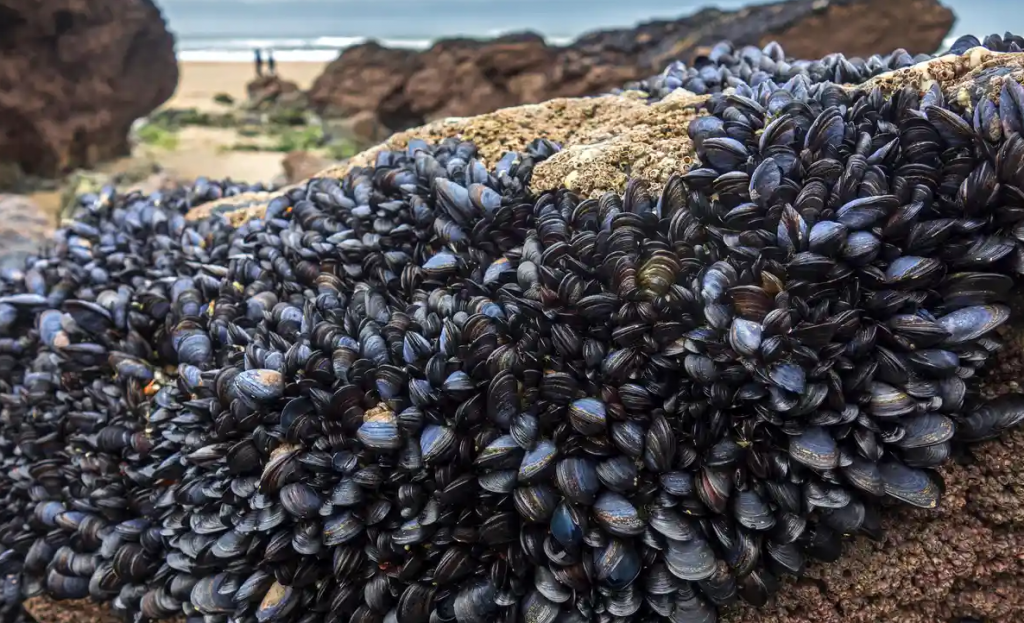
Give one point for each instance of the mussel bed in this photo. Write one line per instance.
(427, 392)
(729, 66)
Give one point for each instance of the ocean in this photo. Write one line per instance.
(315, 30)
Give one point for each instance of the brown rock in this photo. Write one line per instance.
(364, 77)
(299, 165)
(363, 128)
(270, 89)
(24, 227)
(74, 75)
(465, 77)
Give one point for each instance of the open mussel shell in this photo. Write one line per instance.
(277, 603)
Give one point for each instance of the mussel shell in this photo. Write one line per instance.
(259, 385)
(209, 598)
(502, 453)
(538, 462)
(690, 560)
(970, 323)
(577, 480)
(587, 416)
(617, 515)
(379, 430)
(535, 503)
(912, 486)
(475, 602)
(815, 448)
(278, 602)
(341, 528)
(436, 443)
(991, 419)
(925, 430)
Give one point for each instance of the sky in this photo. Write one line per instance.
(440, 18)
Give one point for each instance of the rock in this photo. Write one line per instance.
(464, 77)
(976, 72)
(24, 226)
(11, 175)
(267, 90)
(299, 165)
(74, 75)
(44, 608)
(362, 127)
(365, 77)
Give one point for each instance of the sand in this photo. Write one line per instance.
(199, 82)
(201, 150)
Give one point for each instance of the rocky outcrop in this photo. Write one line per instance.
(74, 75)
(463, 77)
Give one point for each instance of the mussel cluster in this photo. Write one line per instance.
(1008, 42)
(728, 66)
(425, 394)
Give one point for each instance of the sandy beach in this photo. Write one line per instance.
(199, 82)
(202, 150)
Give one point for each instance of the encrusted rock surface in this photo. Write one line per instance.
(74, 75)
(463, 77)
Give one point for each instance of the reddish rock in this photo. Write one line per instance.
(75, 74)
(465, 77)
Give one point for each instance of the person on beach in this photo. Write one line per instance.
(271, 66)
(259, 64)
